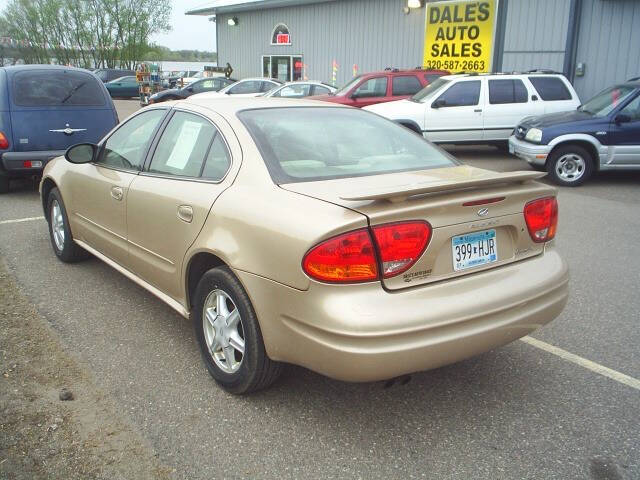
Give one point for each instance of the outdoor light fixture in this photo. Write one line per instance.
(414, 3)
(233, 22)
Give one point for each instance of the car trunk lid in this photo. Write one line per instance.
(464, 206)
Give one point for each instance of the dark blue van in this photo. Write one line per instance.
(44, 109)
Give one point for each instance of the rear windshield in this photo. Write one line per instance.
(37, 88)
(321, 143)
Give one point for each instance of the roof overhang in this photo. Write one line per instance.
(232, 6)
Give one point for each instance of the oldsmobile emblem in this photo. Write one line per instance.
(483, 212)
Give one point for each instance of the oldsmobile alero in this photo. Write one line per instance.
(294, 231)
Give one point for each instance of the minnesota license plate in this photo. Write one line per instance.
(474, 249)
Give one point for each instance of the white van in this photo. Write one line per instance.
(480, 108)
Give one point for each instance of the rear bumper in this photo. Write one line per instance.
(362, 333)
(531, 152)
(13, 163)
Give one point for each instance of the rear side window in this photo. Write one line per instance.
(507, 91)
(39, 88)
(405, 85)
(250, 86)
(184, 144)
(550, 88)
(318, 90)
(461, 94)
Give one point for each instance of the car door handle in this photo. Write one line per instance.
(117, 193)
(185, 213)
(478, 110)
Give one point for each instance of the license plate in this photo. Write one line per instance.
(474, 249)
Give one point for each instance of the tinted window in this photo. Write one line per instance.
(550, 88)
(183, 146)
(205, 86)
(218, 160)
(294, 91)
(50, 88)
(374, 87)
(461, 94)
(314, 143)
(250, 86)
(633, 109)
(318, 90)
(127, 147)
(432, 77)
(507, 91)
(405, 85)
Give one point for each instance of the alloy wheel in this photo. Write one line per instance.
(223, 331)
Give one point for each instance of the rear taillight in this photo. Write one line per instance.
(346, 258)
(401, 244)
(351, 257)
(542, 218)
(4, 143)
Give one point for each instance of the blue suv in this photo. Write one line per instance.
(44, 109)
(602, 134)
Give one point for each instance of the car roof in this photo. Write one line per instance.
(19, 68)
(230, 106)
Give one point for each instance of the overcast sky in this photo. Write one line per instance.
(189, 32)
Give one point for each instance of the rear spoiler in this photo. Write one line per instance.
(400, 193)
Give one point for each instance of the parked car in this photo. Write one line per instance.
(108, 74)
(175, 79)
(123, 87)
(385, 86)
(484, 108)
(247, 87)
(300, 89)
(602, 134)
(264, 220)
(44, 109)
(202, 85)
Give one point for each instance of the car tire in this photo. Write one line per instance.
(570, 165)
(224, 320)
(59, 231)
(4, 183)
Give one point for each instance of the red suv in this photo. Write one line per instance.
(385, 86)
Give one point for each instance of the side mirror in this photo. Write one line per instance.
(534, 98)
(81, 153)
(622, 118)
(439, 103)
(190, 89)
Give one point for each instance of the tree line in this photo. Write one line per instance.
(83, 33)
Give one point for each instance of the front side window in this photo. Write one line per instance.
(374, 87)
(461, 94)
(36, 88)
(405, 85)
(250, 86)
(321, 143)
(507, 91)
(183, 146)
(127, 147)
(632, 110)
(294, 91)
(550, 88)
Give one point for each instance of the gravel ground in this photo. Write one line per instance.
(42, 436)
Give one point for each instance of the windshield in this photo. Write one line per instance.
(302, 144)
(428, 91)
(344, 90)
(606, 101)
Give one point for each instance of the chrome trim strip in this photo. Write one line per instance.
(177, 306)
(152, 253)
(100, 227)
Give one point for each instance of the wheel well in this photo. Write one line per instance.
(410, 125)
(199, 264)
(589, 147)
(47, 186)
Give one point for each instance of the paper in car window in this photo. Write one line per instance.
(184, 146)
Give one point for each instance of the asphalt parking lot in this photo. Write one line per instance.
(518, 412)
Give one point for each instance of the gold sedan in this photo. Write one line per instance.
(294, 231)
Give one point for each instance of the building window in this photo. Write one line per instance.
(280, 35)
